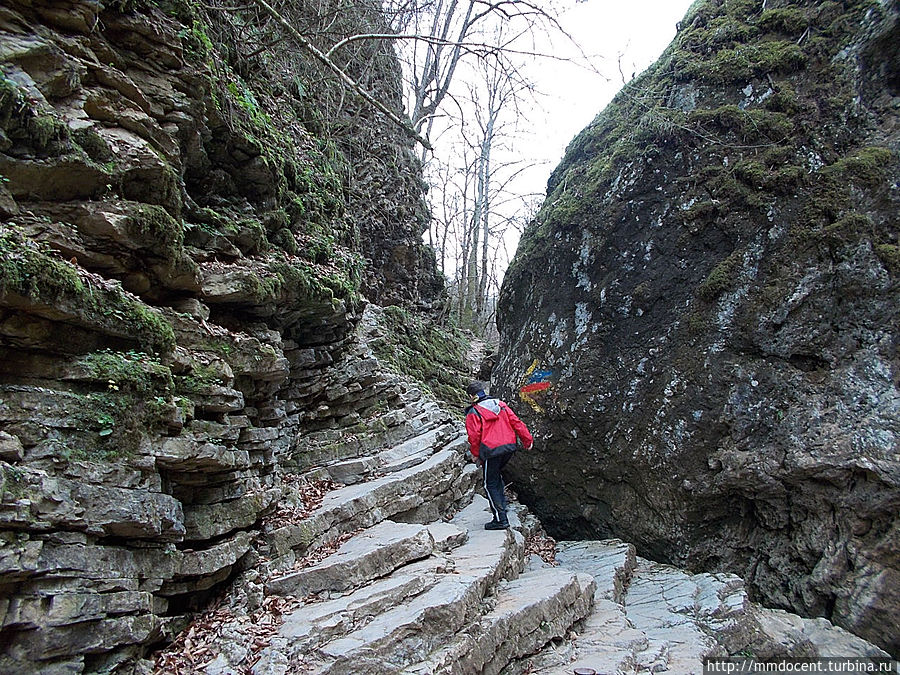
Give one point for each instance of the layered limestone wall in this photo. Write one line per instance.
(701, 323)
(182, 258)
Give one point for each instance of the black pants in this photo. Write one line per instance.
(493, 485)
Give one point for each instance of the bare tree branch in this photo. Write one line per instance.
(343, 76)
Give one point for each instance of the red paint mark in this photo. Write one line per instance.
(537, 386)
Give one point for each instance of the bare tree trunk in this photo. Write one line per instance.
(486, 208)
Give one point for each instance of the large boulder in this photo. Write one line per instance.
(701, 323)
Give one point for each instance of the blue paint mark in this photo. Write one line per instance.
(540, 376)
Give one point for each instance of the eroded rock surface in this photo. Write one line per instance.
(182, 254)
(701, 324)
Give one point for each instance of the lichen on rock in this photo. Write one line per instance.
(728, 224)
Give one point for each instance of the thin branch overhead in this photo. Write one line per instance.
(341, 74)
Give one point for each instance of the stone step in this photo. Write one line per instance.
(611, 562)
(417, 449)
(529, 612)
(605, 641)
(409, 631)
(402, 456)
(386, 430)
(313, 625)
(316, 623)
(435, 485)
(351, 471)
(662, 602)
(648, 616)
(373, 553)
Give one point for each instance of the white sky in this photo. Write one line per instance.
(636, 30)
(628, 35)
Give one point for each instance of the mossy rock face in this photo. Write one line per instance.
(49, 285)
(23, 123)
(430, 353)
(715, 265)
(186, 232)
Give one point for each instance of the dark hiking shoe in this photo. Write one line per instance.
(496, 525)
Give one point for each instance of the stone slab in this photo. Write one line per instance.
(611, 563)
(413, 451)
(371, 554)
(447, 536)
(409, 632)
(312, 625)
(365, 504)
(529, 612)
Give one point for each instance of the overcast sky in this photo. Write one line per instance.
(638, 30)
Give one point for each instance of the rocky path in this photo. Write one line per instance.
(394, 573)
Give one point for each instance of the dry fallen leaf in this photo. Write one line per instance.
(542, 546)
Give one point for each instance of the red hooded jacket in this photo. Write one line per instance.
(492, 428)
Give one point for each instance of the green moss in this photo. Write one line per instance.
(699, 214)
(751, 125)
(21, 121)
(128, 372)
(696, 323)
(12, 483)
(753, 174)
(195, 39)
(432, 354)
(741, 9)
(831, 197)
(777, 156)
(789, 20)
(31, 270)
(222, 347)
(824, 205)
(199, 381)
(867, 166)
(721, 278)
(732, 193)
(294, 279)
(849, 228)
(890, 256)
(111, 425)
(784, 100)
(783, 179)
(46, 129)
(743, 62)
(285, 240)
(157, 229)
(244, 97)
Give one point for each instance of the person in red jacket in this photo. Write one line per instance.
(493, 428)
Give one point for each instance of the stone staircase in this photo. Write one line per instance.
(393, 572)
(411, 582)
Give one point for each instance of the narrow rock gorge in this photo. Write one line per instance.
(701, 323)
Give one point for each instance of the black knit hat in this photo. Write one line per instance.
(476, 388)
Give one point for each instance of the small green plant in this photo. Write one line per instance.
(107, 423)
